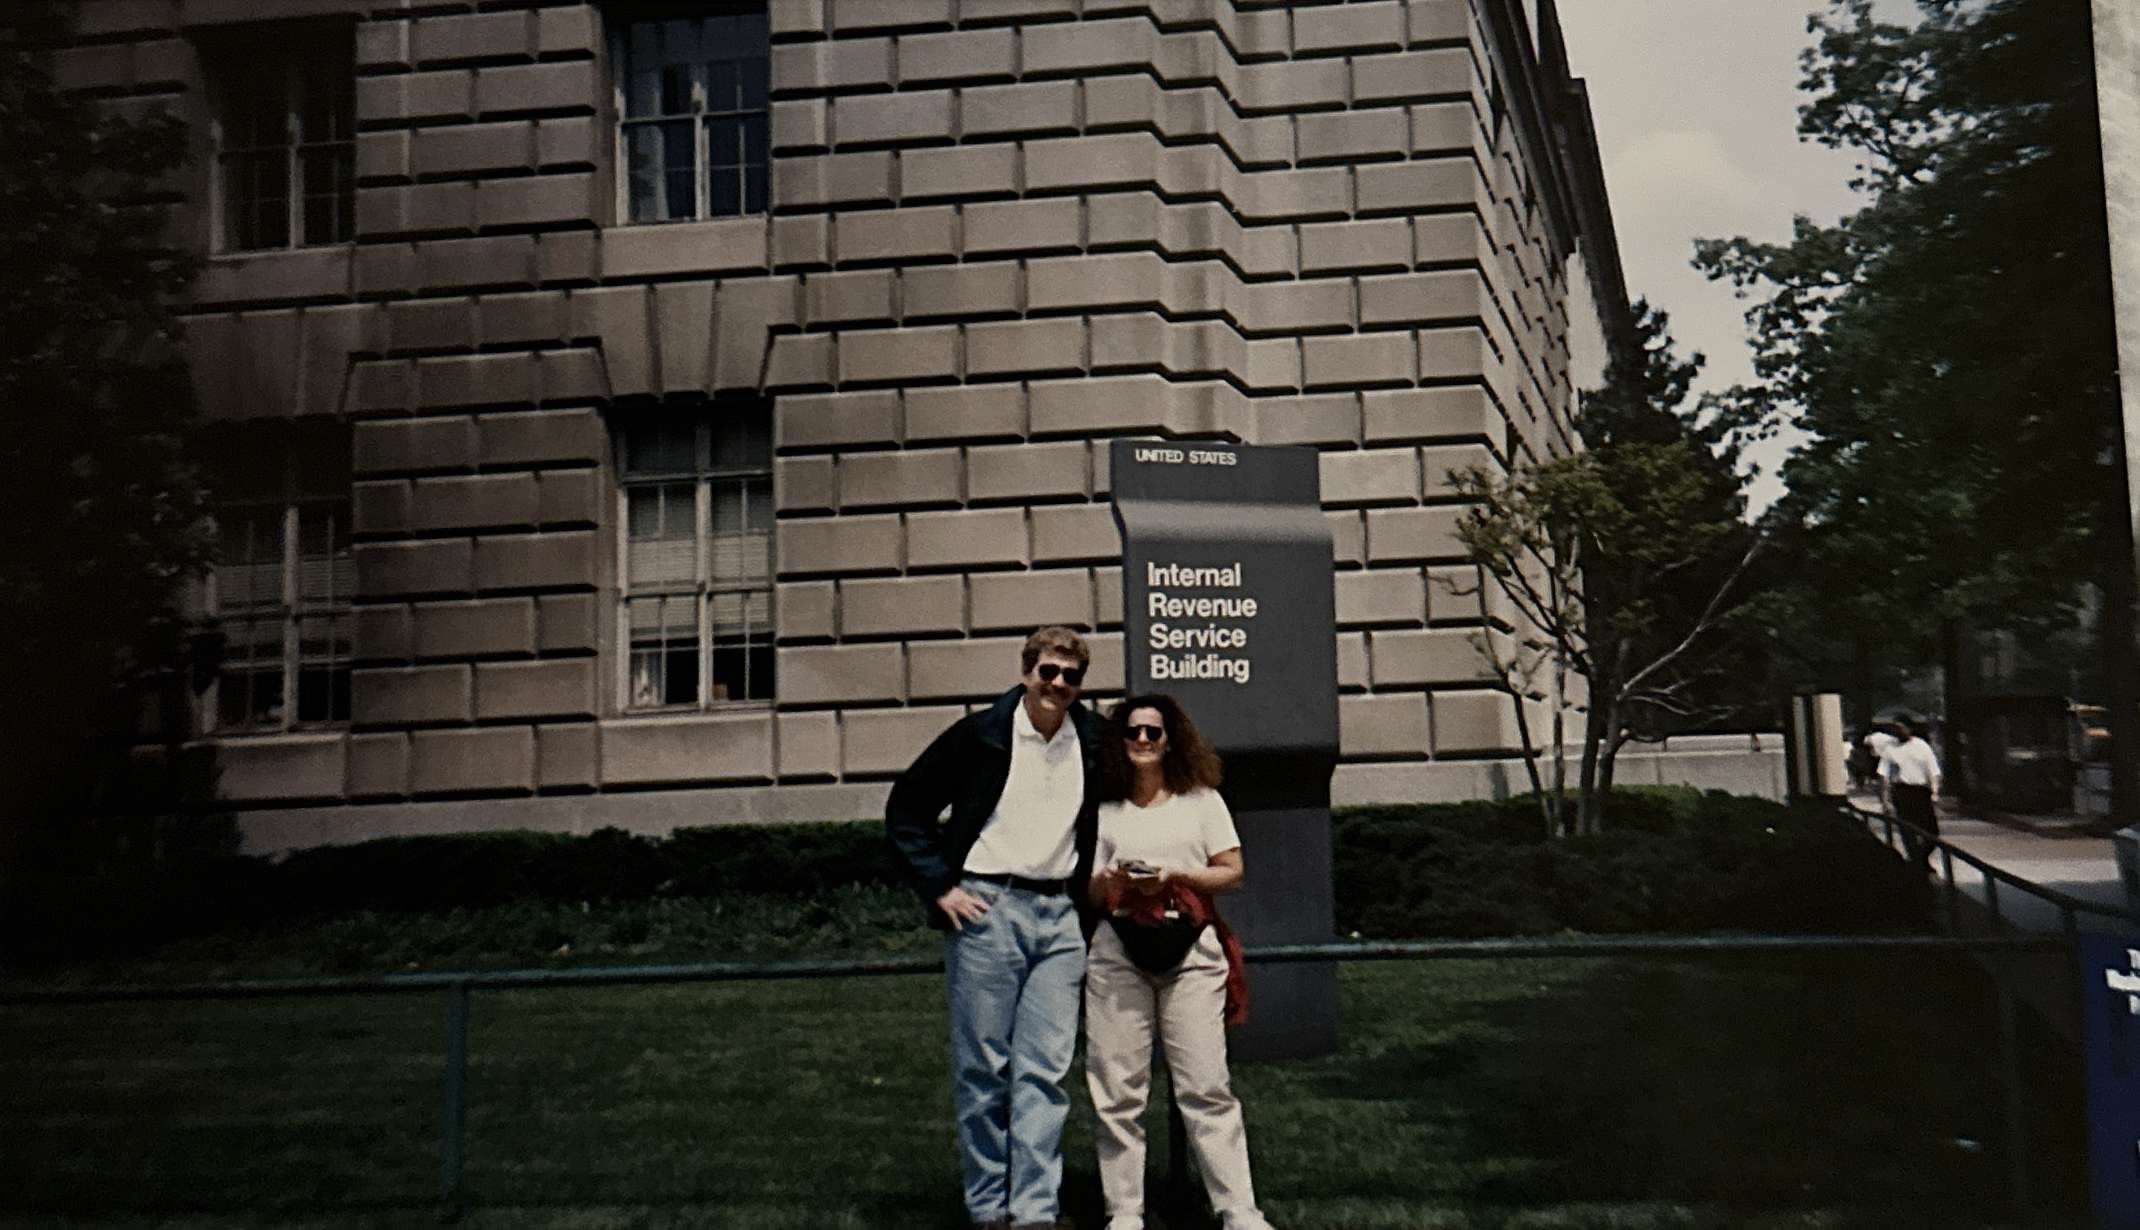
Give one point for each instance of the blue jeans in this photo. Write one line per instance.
(1012, 980)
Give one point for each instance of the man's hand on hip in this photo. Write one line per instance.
(961, 907)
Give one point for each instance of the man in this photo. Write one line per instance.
(1909, 775)
(1875, 743)
(1004, 876)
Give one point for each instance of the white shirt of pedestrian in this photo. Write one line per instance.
(1179, 833)
(1879, 741)
(1910, 764)
(1033, 831)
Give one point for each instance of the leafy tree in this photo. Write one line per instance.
(101, 506)
(1946, 350)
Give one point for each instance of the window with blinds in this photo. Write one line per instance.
(284, 131)
(691, 105)
(279, 592)
(696, 560)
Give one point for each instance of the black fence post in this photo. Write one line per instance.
(455, 1118)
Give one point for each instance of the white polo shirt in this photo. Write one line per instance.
(1033, 831)
(1910, 764)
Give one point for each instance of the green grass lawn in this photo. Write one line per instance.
(1771, 1092)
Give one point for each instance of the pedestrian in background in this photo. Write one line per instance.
(1909, 775)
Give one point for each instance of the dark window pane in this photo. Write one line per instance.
(676, 89)
(249, 698)
(662, 446)
(753, 140)
(754, 190)
(681, 685)
(743, 438)
(642, 93)
(753, 78)
(742, 671)
(758, 504)
(661, 171)
(751, 35)
(724, 192)
(256, 200)
(323, 694)
(680, 41)
(721, 86)
(724, 147)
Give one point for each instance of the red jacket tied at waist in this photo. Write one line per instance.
(1198, 907)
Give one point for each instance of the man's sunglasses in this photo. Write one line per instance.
(1145, 734)
(1072, 675)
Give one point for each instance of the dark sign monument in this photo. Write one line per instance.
(1228, 605)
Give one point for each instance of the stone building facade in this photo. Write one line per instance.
(656, 413)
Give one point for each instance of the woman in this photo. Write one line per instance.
(1166, 847)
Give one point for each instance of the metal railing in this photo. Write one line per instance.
(1912, 838)
(457, 988)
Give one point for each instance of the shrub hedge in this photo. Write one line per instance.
(1668, 860)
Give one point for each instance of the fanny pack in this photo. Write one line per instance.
(1157, 945)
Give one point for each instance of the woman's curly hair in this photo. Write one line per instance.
(1189, 761)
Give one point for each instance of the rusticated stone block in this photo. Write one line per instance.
(288, 768)
(969, 55)
(1026, 472)
(568, 498)
(908, 476)
(841, 298)
(832, 179)
(492, 760)
(841, 674)
(535, 561)
(1040, 108)
(901, 605)
(1415, 297)
(685, 247)
(896, 234)
(1352, 661)
(1020, 226)
(559, 687)
(1403, 534)
(1452, 412)
(1022, 601)
(971, 669)
(1357, 359)
(1439, 466)
(883, 742)
(972, 539)
(568, 757)
(659, 751)
(1474, 722)
(831, 420)
(400, 695)
(1375, 476)
(1438, 655)
(1352, 247)
(839, 544)
(965, 412)
(807, 610)
(1107, 597)
(1027, 347)
(844, 64)
(910, 116)
(380, 508)
(565, 622)
(1352, 136)
(1075, 533)
(434, 566)
(965, 171)
(966, 291)
(378, 766)
(474, 629)
(1348, 536)
(383, 633)
(1383, 726)
(1381, 596)
(491, 260)
(536, 87)
(1412, 74)
(1324, 420)
(1348, 27)
(883, 355)
(809, 745)
(472, 149)
(469, 502)
(806, 484)
(472, 37)
(539, 437)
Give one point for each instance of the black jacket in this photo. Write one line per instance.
(964, 769)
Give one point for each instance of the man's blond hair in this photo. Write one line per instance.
(1054, 639)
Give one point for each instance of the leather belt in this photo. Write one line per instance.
(1046, 887)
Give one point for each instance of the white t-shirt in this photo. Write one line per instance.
(1910, 764)
(1178, 833)
(1879, 741)
(1033, 831)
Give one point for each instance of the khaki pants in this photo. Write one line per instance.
(1124, 1008)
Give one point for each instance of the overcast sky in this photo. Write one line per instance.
(1696, 106)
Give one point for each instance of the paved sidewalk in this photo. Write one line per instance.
(2047, 851)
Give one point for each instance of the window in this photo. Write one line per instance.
(278, 595)
(284, 133)
(697, 584)
(692, 113)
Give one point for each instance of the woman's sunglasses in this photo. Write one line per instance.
(1072, 675)
(1145, 734)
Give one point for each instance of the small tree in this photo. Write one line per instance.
(1615, 566)
(102, 507)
